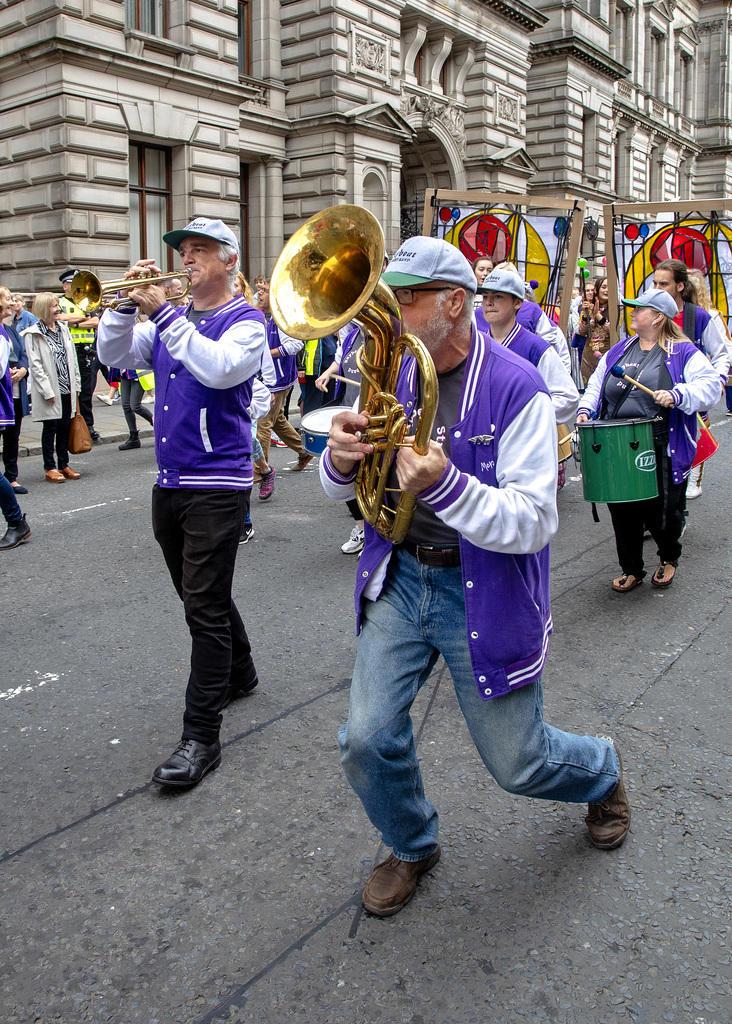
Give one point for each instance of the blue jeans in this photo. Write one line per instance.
(9, 503)
(420, 615)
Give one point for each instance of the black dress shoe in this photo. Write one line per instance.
(235, 692)
(188, 763)
(16, 535)
(129, 444)
(95, 436)
(19, 489)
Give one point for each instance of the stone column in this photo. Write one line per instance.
(274, 213)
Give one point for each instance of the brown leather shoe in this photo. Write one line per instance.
(70, 473)
(303, 460)
(393, 882)
(54, 477)
(608, 823)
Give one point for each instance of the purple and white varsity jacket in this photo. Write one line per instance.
(499, 492)
(285, 362)
(203, 387)
(696, 387)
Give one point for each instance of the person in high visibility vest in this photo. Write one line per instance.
(83, 335)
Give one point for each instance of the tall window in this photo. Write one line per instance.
(244, 219)
(150, 204)
(244, 15)
(147, 16)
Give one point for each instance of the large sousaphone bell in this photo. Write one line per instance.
(327, 275)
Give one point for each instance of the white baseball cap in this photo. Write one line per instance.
(656, 298)
(205, 227)
(420, 260)
(504, 281)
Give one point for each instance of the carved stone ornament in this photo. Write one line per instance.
(435, 110)
(508, 108)
(370, 54)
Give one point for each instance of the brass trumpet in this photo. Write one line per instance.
(327, 275)
(87, 290)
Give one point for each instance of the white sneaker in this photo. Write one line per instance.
(148, 399)
(105, 399)
(354, 544)
(693, 491)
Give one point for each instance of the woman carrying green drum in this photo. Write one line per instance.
(682, 381)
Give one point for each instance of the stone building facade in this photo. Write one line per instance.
(121, 118)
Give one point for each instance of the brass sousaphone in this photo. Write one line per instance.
(327, 275)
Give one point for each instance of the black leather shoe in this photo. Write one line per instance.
(188, 763)
(235, 692)
(95, 436)
(16, 535)
(129, 444)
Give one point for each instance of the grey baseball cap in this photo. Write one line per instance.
(421, 260)
(504, 281)
(207, 229)
(656, 298)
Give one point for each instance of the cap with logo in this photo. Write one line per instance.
(67, 275)
(656, 298)
(421, 260)
(215, 229)
(503, 281)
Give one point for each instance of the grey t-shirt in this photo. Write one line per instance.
(426, 528)
(196, 315)
(654, 374)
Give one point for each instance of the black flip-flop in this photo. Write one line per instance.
(623, 580)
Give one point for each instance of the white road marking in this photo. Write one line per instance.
(84, 508)
(47, 677)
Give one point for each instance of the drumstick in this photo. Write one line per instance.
(617, 371)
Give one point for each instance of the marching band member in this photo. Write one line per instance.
(683, 381)
(205, 358)
(470, 582)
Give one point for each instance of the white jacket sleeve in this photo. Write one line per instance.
(268, 371)
(700, 388)
(549, 331)
(261, 400)
(565, 396)
(123, 343)
(715, 345)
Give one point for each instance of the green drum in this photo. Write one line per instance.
(618, 460)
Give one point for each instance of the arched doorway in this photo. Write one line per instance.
(427, 162)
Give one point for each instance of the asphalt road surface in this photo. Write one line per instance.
(240, 899)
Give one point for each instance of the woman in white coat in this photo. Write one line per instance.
(55, 384)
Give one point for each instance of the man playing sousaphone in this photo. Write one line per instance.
(469, 582)
(205, 359)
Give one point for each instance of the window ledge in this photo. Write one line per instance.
(136, 40)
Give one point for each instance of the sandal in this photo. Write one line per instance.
(626, 582)
(661, 576)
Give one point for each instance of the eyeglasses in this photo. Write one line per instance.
(405, 296)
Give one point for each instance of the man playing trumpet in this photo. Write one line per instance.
(470, 582)
(205, 359)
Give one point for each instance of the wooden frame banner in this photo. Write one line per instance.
(697, 232)
(540, 235)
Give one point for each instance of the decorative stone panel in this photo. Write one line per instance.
(508, 109)
(370, 54)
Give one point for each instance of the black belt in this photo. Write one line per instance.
(426, 554)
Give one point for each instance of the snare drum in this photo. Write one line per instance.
(315, 425)
(618, 460)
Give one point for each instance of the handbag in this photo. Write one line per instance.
(79, 437)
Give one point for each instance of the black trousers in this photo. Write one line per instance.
(198, 531)
(11, 436)
(88, 367)
(57, 431)
(663, 516)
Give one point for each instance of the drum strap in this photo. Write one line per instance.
(627, 391)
